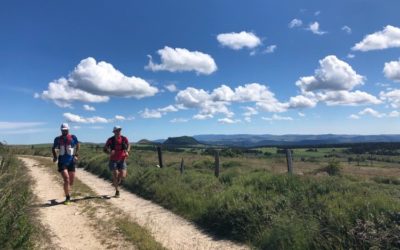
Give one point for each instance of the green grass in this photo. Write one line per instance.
(138, 236)
(18, 228)
(267, 210)
(253, 205)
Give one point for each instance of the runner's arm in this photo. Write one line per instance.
(78, 145)
(106, 148)
(53, 150)
(128, 148)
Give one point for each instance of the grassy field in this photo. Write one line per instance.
(330, 202)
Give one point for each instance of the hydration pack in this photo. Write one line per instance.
(124, 143)
(65, 145)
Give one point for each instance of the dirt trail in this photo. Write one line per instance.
(172, 231)
(68, 227)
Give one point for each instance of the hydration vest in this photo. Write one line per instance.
(65, 146)
(124, 143)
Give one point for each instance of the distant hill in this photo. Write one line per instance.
(181, 141)
(146, 142)
(248, 140)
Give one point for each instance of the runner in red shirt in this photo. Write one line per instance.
(118, 148)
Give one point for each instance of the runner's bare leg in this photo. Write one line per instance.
(71, 179)
(115, 179)
(121, 175)
(66, 179)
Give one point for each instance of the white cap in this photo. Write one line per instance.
(64, 126)
(117, 128)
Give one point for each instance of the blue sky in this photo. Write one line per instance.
(171, 68)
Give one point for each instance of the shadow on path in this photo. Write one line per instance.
(54, 202)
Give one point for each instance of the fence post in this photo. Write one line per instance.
(216, 173)
(182, 167)
(160, 162)
(289, 161)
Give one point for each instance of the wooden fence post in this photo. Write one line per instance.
(216, 172)
(160, 162)
(182, 167)
(289, 161)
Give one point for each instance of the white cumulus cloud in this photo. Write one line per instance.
(203, 116)
(221, 97)
(351, 56)
(93, 81)
(240, 40)
(295, 23)
(150, 113)
(179, 60)
(344, 97)
(276, 117)
(169, 108)
(392, 70)
(223, 93)
(123, 118)
(333, 74)
(179, 120)
(354, 117)
(346, 29)
(332, 83)
(120, 118)
(171, 88)
(88, 108)
(158, 113)
(393, 97)
(63, 94)
(314, 28)
(228, 121)
(101, 78)
(389, 37)
(264, 98)
(250, 111)
(80, 119)
(301, 101)
(372, 112)
(270, 49)
(192, 97)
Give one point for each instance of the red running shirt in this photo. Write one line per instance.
(119, 154)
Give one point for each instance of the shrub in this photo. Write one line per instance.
(333, 168)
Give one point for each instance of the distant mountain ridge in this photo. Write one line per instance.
(180, 141)
(249, 140)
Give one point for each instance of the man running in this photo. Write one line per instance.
(118, 148)
(67, 146)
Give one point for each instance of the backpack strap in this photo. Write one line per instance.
(62, 142)
(124, 144)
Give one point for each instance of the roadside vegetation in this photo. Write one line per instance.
(18, 228)
(354, 205)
